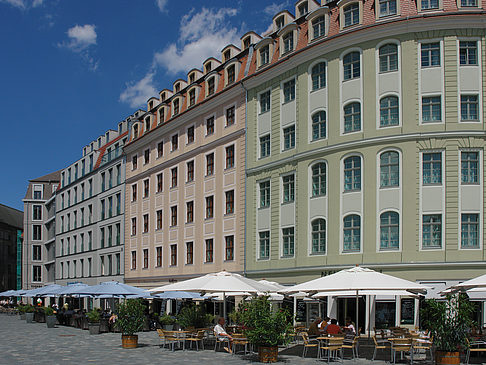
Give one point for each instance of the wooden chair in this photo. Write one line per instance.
(172, 339)
(424, 345)
(351, 343)
(161, 334)
(333, 345)
(240, 340)
(379, 346)
(196, 338)
(219, 341)
(309, 343)
(402, 345)
(481, 347)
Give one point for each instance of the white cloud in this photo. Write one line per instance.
(23, 4)
(138, 93)
(161, 4)
(274, 8)
(80, 37)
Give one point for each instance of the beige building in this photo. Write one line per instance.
(185, 177)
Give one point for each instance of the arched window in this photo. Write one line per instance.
(351, 65)
(352, 173)
(389, 231)
(388, 57)
(318, 236)
(318, 73)
(389, 115)
(352, 117)
(389, 169)
(319, 179)
(351, 233)
(319, 125)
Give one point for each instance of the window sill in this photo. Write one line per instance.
(288, 101)
(318, 196)
(229, 215)
(208, 219)
(352, 191)
(318, 254)
(432, 184)
(265, 112)
(260, 259)
(264, 207)
(287, 256)
(208, 262)
(288, 203)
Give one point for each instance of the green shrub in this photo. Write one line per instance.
(93, 316)
(131, 316)
(48, 311)
(165, 319)
(29, 308)
(194, 316)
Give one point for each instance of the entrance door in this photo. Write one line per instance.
(347, 308)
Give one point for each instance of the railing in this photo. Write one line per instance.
(107, 157)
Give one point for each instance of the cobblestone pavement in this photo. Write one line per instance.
(34, 343)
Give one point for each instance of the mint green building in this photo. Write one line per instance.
(365, 145)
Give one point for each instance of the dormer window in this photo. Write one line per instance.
(192, 97)
(246, 43)
(264, 55)
(208, 67)
(151, 105)
(351, 14)
(162, 96)
(211, 86)
(175, 105)
(191, 78)
(319, 27)
(147, 124)
(303, 9)
(288, 42)
(280, 22)
(177, 87)
(135, 131)
(231, 74)
(161, 115)
(227, 55)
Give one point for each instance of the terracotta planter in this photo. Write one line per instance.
(129, 342)
(447, 358)
(268, 354)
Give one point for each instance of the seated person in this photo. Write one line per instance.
(313, 328)
(349, 328)
(222, 335)
(323, 325)
(333, 328)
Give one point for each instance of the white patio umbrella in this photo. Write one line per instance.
(479, 282)
(221, 282)
(356, 280)
(113, 289)
(45, 291)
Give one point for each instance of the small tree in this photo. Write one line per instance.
(131, 316)
(264, 327)
(93, 316)
(449, 321)
(194, 316)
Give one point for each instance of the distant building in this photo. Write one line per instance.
(10, 226)
(38, 253)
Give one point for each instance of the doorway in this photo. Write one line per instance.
(347, 308)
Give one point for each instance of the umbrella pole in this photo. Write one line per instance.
(357, 315)
(224, 306)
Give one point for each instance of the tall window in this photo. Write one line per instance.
(145, 223)
(265, 146)
(389, 231)
(134, 162)
(230, 156)
(469, 230)
(190, 134)
(432, 168)
(319, 179)
(145, 258)
(264, 252)
(288, 188)
(319, 26)
(289, 137)
(37, 273)
(469, 108)
(161, 115)
(173, 173)
(134, 226)
(173, 255)
(209, 250)
(189, 253)
(429, 4)
(389, 115)
(288, 241)
(173, 215)
(192, 97)
(264, 194)
(189, 212)
(231, 74)
(351, 14)
(352, 233)
(469, 3)
(37, 231)
(230, 116)
(431, 109)
(288, 42)
(352, 117)
(432, 231)
(209, 164)
(146, 188)
(319, 125)
(209, 207)
(211, 86)
(209, 126)
(230, 202)
(175, 142)
(146, 156)
(430, 52)
(388, 7)
(318, 236)
(468, 52)
(264, 55)
(134, 260)
(352, 173)
(351, 66)
(160, 182)
(159, 256)
(389, 169)
(469, 167)
(265, 101)
(37, 212)
(36, 252)
(289, 90)
(159, 219)
(229, 248)
(190, 171)
(318, 75)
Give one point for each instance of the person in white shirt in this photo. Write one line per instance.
(222, 335)
(350, 327)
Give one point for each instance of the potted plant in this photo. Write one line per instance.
(21, 310)
(131, 319)
(94, 321)
(265, 328)
(194, 316)
(167, 322)
(29, 313)
(50, 317)
(449, 322)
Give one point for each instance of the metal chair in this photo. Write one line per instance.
(196, 338)
(481, 348)
(309, 343)
(379, 346)
(351, 343)
(333, 345)
(402, 345)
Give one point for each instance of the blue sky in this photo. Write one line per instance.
(71, 69)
